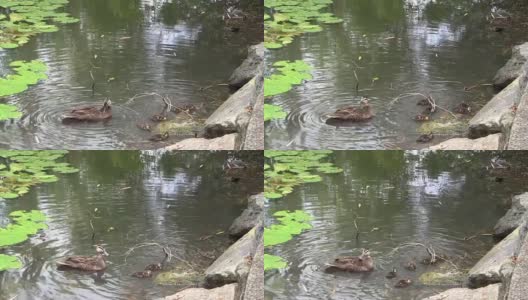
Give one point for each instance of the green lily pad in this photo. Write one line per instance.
(9, 262)
(273, 262)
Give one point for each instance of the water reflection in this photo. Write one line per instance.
(123, 49)
(389, 48)
(393, 197)
(130, 198)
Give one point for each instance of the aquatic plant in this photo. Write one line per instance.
(22, 169)
(291, 223)
(283, 171)
(273, 262)
(25, 73)
(21, 19)
(290, 18)
(290, 168)
(24, 224)
(287, 74)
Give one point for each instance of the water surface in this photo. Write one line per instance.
(394, 198)
(131, 198)
(130, 48)
(430, 47)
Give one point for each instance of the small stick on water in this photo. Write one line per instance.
(93, 82)
(93, 231)
(357, 230)
(357, 81)
(213, 85)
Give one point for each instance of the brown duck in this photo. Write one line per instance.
(160, 137)
(360, 113)
(144, 126)
(463, 109)
(89, 113)
(425, 138)
(86, 263)
(403, 283)
(154, 267)
(411, 266)
(354, 264)
(142, 274)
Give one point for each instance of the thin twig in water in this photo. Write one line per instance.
(93, 230)
(213, 85)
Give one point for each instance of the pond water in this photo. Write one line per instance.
(395, 198)
(393, 47)
(131, 48)
(130, 197)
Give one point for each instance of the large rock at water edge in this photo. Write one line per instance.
(518, 289)
(490, 142)
(497, 114)
(491, 292)
(234, 263)
(513, 218)
(249, 68)
(254, 289)
(226, 142)
(518, 139)
(224, 120)
(226, 292)
(513, 68)
(492, 267)
(250, 217)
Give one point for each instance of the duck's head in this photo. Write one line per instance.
(101, 251)
(107, 105)
(365, 253)
(364, 101)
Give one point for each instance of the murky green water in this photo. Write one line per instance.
(131, 197)
(428, 47)
(130, 47)
(395, 198)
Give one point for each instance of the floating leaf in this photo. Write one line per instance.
(9, 262)
(273, 262)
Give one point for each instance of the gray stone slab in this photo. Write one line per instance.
(226, 292)
(491, 292)
(496, 114)
(488, 269)
(519, 131)
(490, 142)
(226, 142)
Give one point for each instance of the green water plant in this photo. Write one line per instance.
(290, 18)
(19, 170)
(273, 262)
(21, 19)
(290, 223)
(23, 224)
(286, 169)
(286, 75)
(26, 73)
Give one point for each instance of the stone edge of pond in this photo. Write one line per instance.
(503, 272)
(502, 123)
(237, 274)
(238, 124)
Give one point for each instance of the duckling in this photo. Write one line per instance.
(153, 267)
(89, 113)
(360, 113)
(188, 108)
(86, 263)
(425, 138)
(144, 126)
(463, 109)
(411, 266)
(160, 137)
(142, 274)
(424, 102)
(403, 283)
(355, 264)
(421, 118)
(391, 274)
(158, 117)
